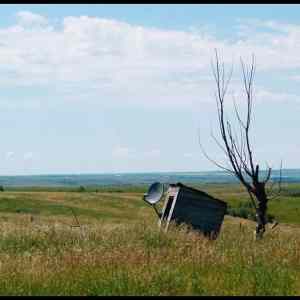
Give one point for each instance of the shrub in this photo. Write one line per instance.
(291, 193)
(81, 189)
(243, 210)
(246, 211)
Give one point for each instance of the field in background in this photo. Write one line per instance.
(118, 250)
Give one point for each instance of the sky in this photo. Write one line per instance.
(129, 88)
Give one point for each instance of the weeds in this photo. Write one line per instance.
(131, 256)
(139, 260)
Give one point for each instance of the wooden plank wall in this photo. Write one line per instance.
(199, 209)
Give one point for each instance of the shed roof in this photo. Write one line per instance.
(179, 184)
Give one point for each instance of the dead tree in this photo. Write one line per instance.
(237, 148)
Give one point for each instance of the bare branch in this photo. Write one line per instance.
(237, 113)
(211, 160)
(237, 148)
(268, 174)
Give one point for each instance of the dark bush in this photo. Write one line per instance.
(81, 189)
(291, 193)
(243, 210)
(246, 211)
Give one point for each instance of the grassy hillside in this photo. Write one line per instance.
(118, 249)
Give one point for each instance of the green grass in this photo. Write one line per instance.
(96, 188)
(118, 249)
(87, 205)
(140, 260)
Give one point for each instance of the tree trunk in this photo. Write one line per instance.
(261, 212)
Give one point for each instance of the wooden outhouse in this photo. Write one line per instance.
(201, 211)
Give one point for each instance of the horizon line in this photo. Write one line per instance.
(126, 173)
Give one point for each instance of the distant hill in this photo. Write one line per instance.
(288, 175)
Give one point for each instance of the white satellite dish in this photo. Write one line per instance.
(155, 193)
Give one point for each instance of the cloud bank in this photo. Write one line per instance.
(96, 58)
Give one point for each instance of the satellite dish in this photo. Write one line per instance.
(155, 193)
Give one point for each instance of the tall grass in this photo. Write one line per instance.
(118, 249)
(137, 259)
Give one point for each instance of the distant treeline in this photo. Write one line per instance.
(135, 179)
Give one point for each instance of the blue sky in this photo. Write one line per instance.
(125, 88)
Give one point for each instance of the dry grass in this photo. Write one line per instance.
(110, 259)
(118, 250)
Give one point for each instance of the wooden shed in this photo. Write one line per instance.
(196, 208)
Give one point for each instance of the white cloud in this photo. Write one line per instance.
(9, 155)
(187, 155)
(295, 77)
(264, 95)
(153, 153)
(28, 156)
(127, 152)
(27, 18)
(121, 152)
(98, 58)
(260, 95)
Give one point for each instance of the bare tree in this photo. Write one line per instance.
(237, 147)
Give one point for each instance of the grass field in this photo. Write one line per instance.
(118, 249)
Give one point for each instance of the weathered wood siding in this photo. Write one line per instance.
(198, 209)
